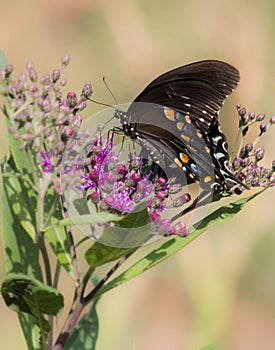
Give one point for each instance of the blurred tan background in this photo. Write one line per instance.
(221, 289)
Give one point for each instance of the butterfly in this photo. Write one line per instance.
(175, 119)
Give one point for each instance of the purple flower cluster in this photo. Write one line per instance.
(118, 187)
(38, 115)
(246, 164)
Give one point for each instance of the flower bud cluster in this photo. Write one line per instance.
(246, 164)
(38, 114)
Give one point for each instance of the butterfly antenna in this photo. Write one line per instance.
(110, 91)
(100, 103)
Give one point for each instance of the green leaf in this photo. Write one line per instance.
(58, 240)
(31, 330)
(175, 244)
(87, 219)
(121, 239)
(21, 253)
(3, 60)
(85, 333)
(58, 237)
(99, 254)
(20, 158)
(20, 198)
(27, 294)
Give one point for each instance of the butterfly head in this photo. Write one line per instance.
(124, 120)
(122, 116)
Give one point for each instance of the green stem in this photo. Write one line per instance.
(74, 314)
(81, 301)
(69, 325)
(42, 185)
(52, 209)
(87, 299)
(56, 274)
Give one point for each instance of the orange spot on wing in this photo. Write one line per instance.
(186, 138)
(184, 157)
(187, 119)
(179, 164)
(180, 125)
(207, 179)
(170, 114)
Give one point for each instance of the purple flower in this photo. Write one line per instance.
(120, 201)
(45, 158)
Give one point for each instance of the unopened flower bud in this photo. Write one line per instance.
(122, 168)
(165, 225)
(245, 162)
(238, 190)
(94, 197)
(55, 75)
(162, 195)
(259, 153)
(175, 188)
(263, 128)
(246, 150)
(236, 163)
(8, 70)
(77, 120)
(46, 105)
(181, 229)
(87, 91)
(65, 60)
(32, 74)
(180, 201)
(260, 117)
(136, 177)
(162, 180)
(251, 115)
(71, 99)
(63, 82)
(242, 112)
(82, 105)
(46, 80)
(154, 216)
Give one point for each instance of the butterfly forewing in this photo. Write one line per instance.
(198, 89)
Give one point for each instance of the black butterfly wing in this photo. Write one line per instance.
(197, 91)
(175, 142)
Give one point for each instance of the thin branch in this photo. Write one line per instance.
(100, 284)
(72, 245)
